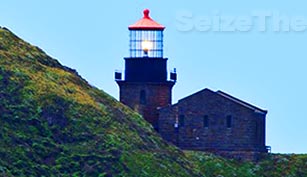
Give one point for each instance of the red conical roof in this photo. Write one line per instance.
(146, 23)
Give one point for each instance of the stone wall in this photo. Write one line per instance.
(168, 122)
(156, 95)
(246, 134)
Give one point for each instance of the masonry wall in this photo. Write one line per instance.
(245, 136)
(167, 124)
(156, 95)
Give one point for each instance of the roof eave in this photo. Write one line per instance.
(243, 103)
(146, 28)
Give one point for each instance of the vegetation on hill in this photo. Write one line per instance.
(274, 165)
(53, 123)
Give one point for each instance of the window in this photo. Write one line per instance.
(143, 97)
(256, 130)
(181, 120)
(229, 121)
(206, 121)
(155, 37)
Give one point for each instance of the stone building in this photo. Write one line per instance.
(215, 122)
(205, 121)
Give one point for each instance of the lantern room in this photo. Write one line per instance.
(146, 86)
(146, 38)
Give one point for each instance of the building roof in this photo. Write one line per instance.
(230, 98)
(243, 103)
(146, 23)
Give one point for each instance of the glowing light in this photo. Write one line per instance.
(147, 45)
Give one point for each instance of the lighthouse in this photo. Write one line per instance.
(146, 85)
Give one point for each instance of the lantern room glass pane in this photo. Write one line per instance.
(146, 43)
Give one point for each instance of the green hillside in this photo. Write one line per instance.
(274, 165)
(53, 123)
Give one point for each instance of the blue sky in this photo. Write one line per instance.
(266, 68)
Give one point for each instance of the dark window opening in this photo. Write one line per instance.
(143, 97)
(206, 121)
(229, 121)
(256, 130)
(181, 120)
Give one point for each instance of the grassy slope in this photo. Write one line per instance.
(274, 165)
(53, 122)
